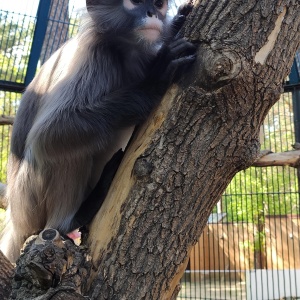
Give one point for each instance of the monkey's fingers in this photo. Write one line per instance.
(181, 47)
(185, 9)
(177, 23)
(178, 66)
(183, 61)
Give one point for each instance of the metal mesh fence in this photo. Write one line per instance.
(16, 28)
(250, 247)
(18, 31)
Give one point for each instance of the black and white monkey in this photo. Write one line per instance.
(82, 107)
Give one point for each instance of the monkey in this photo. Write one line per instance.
(82, 107)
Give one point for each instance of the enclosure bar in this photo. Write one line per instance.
(11, 86)
(294, 75)
(295, 83)
(296, 105)
(38, 39)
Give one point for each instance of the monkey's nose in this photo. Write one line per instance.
(150, 14)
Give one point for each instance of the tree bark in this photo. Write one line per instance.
(181, 160)
(270, 159)
(6, 274)
(50, 267)
(205, 131)
(6, 120)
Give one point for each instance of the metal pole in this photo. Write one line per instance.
(38, 38)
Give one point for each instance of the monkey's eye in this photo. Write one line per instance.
(159, 3)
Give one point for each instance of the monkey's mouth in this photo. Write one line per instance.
(150, 33)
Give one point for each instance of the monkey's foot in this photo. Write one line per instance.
(75, 235)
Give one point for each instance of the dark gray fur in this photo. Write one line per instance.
(77, 112)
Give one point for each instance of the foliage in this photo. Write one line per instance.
(8, 104)
(2, 217)
(257, 192)
(16, 34)
(15, 44)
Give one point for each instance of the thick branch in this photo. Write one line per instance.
(289, 158)
(205, 130)
(51, 267)
(6, 120)
(6, 274)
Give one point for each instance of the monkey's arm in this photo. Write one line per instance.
(155, 87)
(78, 125)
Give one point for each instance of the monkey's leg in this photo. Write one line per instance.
(92, 204)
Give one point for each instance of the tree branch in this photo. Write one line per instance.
(6, 120)
(6, 275)
(182, 159)
(270, 159)
(51, 267)
(3, 203)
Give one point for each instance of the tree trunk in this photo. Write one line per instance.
(181, 160)
(6, 274)
(205, 131)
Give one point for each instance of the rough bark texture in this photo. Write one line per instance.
(6, 274)
(6, 120)
(50, 267)
(205, 130)
(288, 158)
(181, 161)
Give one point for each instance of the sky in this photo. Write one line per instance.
(29, 7)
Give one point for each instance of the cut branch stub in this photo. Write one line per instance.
(288, 158)
(142, 167)
(50, 265)
(215, 68)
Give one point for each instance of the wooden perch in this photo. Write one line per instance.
(288, 158)
(6, 120)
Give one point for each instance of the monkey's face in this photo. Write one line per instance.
(142, 18)
(148, 16)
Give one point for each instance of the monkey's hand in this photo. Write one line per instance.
(176, 54)
(172, 61)
(185, 9)
(177, 22)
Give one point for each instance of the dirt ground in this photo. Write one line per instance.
(213, 289)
